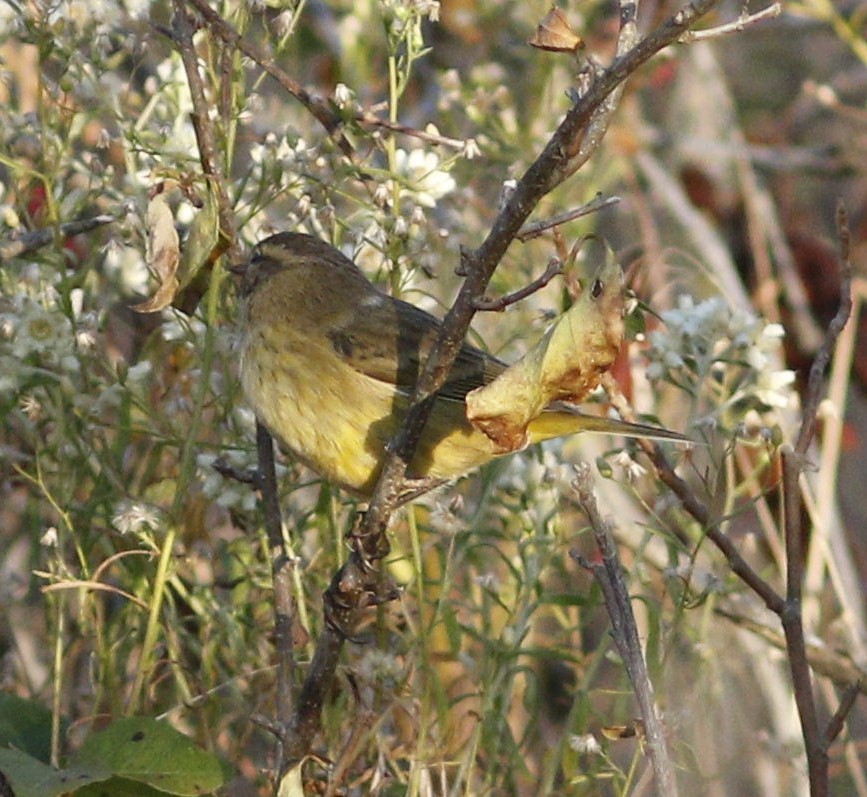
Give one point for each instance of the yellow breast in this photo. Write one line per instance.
(325, 412)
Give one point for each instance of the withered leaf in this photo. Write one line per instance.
(164, 254)
(565, 365)
(630, 730)
(555, 35)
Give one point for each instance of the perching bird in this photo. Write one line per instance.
(329, 363)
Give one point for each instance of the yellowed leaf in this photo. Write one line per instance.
(164, 254)
(565, 365)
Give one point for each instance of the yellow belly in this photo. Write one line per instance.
(339, 421)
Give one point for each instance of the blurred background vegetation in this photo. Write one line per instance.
(494, 673)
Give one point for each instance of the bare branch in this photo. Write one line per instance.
(793, 627)
(31, 240)
(609, 574)
(281, 573)
(826, 661)
(815, 382)
(835, 725)
(743, 21)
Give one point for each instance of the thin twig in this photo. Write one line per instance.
(832, 664)
(815, 381)
(836, 723)
(554, 268)
(609, 574)
(206, 140)
(242, 475)
(793, 626)
(29, 241)
(537, 228)
(743, 21)
(815, 742)
(282, 566)
(467, 146)
(321, 109)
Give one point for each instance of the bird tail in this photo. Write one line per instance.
(565, 421)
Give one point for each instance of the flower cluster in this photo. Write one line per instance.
(38, 336)
(732, 358)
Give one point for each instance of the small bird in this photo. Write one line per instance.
(328, 363)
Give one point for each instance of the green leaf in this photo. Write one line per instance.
(25, 725)
(119, 787)
(201, 240)
(31, 778)
(151, 752)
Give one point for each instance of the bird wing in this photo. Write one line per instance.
(389, 340)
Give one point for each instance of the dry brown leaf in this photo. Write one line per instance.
(634, 729)
(164, 254)
(555, 35)
(565, 365)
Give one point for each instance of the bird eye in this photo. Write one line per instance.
(596, 289)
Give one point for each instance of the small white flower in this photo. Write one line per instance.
(428, 8)
(283, 22)
(585, 743)
(133, 517)
(487, 581)
(445, 517)
(44, 332)
(343, 96)
(244, 420)
(382, 194)
(138, 9)
(710, 343)
(76, 300)
(31, 406)
(422, 178)
(305, 203)
(773, 388)
(49, 538)
(127, 265)
(471, 149)
(632, 470)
